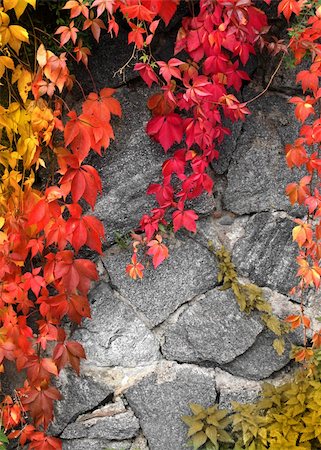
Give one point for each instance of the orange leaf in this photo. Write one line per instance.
(295, 321)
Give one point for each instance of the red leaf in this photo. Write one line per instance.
(158, 250)
(147, 73)
(287, 7)
(166, 129)
(168, 9)
(185, 219)
(135, 269)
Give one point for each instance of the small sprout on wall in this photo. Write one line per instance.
(249, 297)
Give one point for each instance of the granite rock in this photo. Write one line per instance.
(212, 330)
(115, 336)
(266, 253)
(160, 400)
(257, 172)
(119, 427)
(191, 270)
(80, 394)
(95, 444)
(261, 360)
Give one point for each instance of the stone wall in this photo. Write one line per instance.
(153, 346)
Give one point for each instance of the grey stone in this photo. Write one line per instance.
(285, 78)
(80, 394)
(261, 360)
(228, 147)
(227, 220)
(119, 427)
(212, 330)
(190, 270)
(160, 400)
(115, 336)
(94, 444)
(258, 174)
(235, 389)
(266, 253)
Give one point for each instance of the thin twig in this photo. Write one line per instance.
(270, 81)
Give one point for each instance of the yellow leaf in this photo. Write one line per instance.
(42, 56)
(3, 237)
(198, 439)
(24, 84)
(197, 426)
(278, 345)
(18, 5)
(18, 35)
(5, 62)
(2, 221)
(211, 432)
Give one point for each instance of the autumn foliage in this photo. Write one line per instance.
(44, 224)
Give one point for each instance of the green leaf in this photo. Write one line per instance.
(211, 432)
(198, 439)
(197, 426)
(3, 437)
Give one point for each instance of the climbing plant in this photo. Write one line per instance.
(47, 186)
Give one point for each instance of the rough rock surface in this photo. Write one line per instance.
(132, 162)
(95, 444)
(191, 270)
(235, 389)
(261, 360)
(266, 253)
(119, 427)
(160, 400)
(115, 336)
(202, 336)
(80, 394)
(257, 173)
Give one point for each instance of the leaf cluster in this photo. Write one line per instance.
(207, 427)
(284, 417)
(249, 297)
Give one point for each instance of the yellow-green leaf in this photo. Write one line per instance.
(211, 433)
(195, 427)
(198, 439)
(279, 346)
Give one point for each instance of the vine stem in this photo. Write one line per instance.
(270, 81)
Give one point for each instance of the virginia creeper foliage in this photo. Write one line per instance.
(43, 227)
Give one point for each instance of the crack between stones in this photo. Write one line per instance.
(193, 299)
(225, 173)
(118, 294)
(104, 402)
